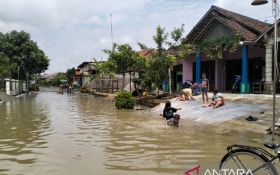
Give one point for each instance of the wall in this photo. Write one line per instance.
(220, 71)
(217, 30)
(188, 69)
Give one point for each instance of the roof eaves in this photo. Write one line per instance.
(267, 31)
(236, 17)
(199, 22)
(207, 26)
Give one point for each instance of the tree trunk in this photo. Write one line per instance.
(123, 81)
(157, 91)
(130, 82)
(169, 80)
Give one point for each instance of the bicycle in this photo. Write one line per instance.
(252, 160)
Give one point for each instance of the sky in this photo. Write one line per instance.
(73, 31)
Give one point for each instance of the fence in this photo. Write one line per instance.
(106, 85)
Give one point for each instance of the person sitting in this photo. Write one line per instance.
(168, 114)
(217, 100)
(188, 93)
(182, 97)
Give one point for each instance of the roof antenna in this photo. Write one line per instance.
(112, 31)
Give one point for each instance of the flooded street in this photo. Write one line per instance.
(51, 134)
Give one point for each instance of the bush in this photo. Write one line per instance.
(125, 100)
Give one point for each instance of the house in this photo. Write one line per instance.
(252, 59)
(86, 70)
(84, 76)
(77, 78)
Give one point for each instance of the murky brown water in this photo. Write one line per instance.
(51, 134)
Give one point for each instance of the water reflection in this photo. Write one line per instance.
(76, 134)
(24, 124)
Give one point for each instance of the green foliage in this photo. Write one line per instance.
(120, 56)
(70, 73)
(177, 35)
(56, 81)
(157, 65)
(160, 39)
(142, 46)
(216, 48)
(104, 69)
(177, 46)
(123, 59)
(144, 78)
(125, 100)
(21, 50)
(5, 66)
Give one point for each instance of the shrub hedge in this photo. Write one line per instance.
(124, 100)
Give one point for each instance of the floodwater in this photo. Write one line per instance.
(52, 134)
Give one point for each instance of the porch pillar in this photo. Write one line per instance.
(244, 89)
(198, 68)
(14, 91)
(268, 67)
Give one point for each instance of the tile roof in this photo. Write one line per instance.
(85, 63)
(144, 53)
(249, 29)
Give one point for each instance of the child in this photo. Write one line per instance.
(217, 99)
(204, 87)
(182, 97)
(168, 114)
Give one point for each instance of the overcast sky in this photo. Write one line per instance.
(73, 31)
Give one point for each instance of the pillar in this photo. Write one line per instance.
(24, 85)
(217, 74)
(8, 86)
(13, 81)
(17, 86)
(268, 68)
(198, 68)
(245, 87)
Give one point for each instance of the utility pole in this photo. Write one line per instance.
(275, 12)
(112, 38)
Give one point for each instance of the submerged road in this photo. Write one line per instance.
(75, 134)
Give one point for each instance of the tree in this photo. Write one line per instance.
(56, 81)
(160, 63)
(166, 54)
(21, 50)
(124, 59)
(70, 73)
(160, 39)
(5, 68)
(104, 69)
(177, 49)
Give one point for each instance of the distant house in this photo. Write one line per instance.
(86, 70)
(77, 77)
(252, 60)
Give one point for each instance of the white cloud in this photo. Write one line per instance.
(219, 3)
(262, 12)
(71, 31)
(94, 20)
